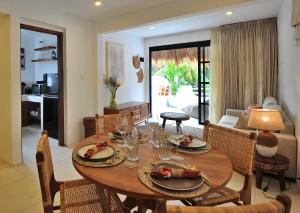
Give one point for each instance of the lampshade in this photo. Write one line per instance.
(266, 119)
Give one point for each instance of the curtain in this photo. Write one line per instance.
(216, 77)
(296, 18)
(243, 65)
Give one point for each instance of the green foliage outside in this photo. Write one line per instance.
(185, 73)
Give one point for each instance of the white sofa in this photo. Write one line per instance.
(286, 138)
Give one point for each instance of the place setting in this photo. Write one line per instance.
(188, 143)
(174, 179)
(99, 154)
(117, 136)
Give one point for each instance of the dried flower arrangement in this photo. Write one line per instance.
(112, 84)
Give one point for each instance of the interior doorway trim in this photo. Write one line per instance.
(60, 62)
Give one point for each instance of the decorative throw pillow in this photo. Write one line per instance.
(243, 121)
(253, 106)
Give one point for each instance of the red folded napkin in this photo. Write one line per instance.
(165, 172)
(98, 147)
(187, 139)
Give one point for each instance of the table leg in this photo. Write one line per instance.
(105, 204)
(178, 127)
(281, 180)
(164, 124)
(258, 175)
(130, 202)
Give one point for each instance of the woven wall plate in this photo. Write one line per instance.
(144, 176)
(136, 61)
(118, 158)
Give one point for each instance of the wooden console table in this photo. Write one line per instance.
(138, 110)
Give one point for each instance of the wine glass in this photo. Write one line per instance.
(121, 126)
(132, 145)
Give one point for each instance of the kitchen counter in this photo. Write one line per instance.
(36, 99)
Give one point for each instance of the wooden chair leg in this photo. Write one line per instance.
(246, 191)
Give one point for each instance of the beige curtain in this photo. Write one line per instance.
(216, 77)
(296, 18)
(243, 65)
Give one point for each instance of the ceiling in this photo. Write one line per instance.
(109, 8)
(245, 12)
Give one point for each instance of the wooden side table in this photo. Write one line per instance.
(175, 116)
(277, 164)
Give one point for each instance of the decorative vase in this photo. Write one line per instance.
(172, 101)
(112, 100)
(267, 144)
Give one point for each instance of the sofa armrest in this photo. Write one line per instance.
(234, 112)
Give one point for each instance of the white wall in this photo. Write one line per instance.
(130, 90)
(42, 68)
(28, 74)
(200, 35)
(289, 69)
(80, 67)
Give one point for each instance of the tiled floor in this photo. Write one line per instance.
(19, 186)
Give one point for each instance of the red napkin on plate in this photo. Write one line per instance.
(98, 148)
(166, 172)
(187, 139)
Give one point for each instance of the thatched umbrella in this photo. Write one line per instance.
(177, 55)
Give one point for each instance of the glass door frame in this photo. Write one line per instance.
(201, 82)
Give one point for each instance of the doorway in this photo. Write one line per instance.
(179, 80)
(42, 98)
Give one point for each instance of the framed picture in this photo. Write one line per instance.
(22, 59)
(115, 60)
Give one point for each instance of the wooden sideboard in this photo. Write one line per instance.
(138, 110)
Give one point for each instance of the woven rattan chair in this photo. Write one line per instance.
(75, 195)
(282, 204)
(107, 123)
(239, 147)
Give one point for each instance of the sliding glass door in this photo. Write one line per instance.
(179, 79)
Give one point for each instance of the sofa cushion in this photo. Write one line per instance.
(228, 121)
(243, 121)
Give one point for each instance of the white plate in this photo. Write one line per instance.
(106, 153)
(196, 142)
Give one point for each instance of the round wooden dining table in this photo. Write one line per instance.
(121, 179)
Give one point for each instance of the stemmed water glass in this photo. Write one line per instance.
(121, 126)
(131, 142)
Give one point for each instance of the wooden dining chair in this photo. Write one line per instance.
(107, 123)
(240, 148)
(75, 195)
(282, 204)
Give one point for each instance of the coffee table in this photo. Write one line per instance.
(174, 116)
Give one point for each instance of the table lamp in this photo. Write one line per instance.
(266, 120)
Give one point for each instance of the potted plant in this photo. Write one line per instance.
(112, 84)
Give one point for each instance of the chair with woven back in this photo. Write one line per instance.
(240, 148)
(75, 195)
(282, 204)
